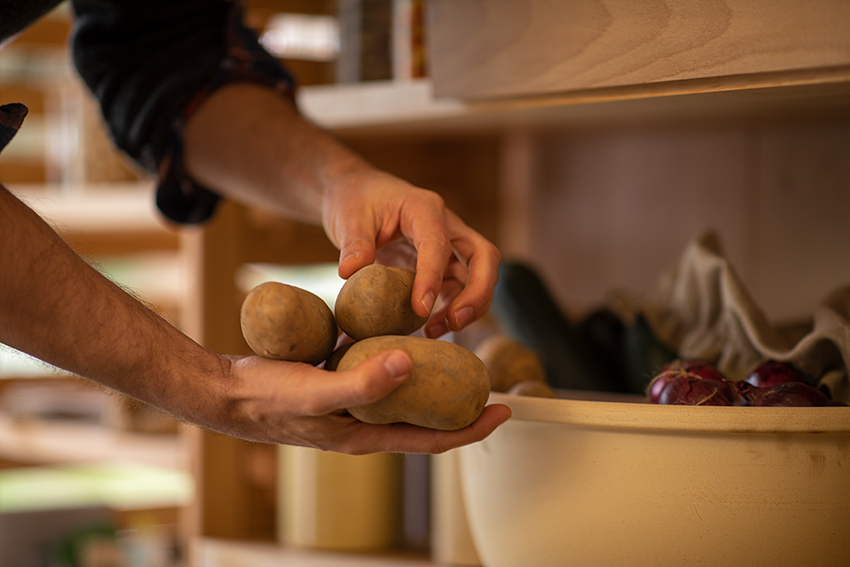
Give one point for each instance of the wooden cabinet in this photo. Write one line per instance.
(500, 48)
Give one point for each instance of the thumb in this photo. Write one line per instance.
(370, 380)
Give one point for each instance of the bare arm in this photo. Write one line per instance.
(56, 307)
(252, 145)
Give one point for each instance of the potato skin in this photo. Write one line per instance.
(333, 360)
(376, 301)
(447, 388)
(509, 362)
(284, 322)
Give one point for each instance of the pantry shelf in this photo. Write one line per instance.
(44, 442)
(384, 108)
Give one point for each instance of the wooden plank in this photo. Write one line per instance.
(384, 109)
(498, 48)
(42, 442)
(217, 552)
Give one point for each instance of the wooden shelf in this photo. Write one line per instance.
(410, 108)
(109, 219)
(43, 442)
(223, 552)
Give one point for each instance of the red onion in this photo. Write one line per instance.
(696, 369)
(690, 389)
(773, 372)
(784, 394)
(699, 367)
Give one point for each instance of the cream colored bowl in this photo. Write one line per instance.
(587, 483)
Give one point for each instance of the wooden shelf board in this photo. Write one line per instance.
(37, 441)
(122, 207)
(388, 108)
(224, 552)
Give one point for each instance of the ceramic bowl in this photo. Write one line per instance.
(592, 482)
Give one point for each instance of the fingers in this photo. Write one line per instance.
(373, 379)
(297, 404)
(467, 278)
(447, 249)
(426, 227)
(483, 271)
(406, 438)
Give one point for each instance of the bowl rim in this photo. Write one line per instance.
(598, 410)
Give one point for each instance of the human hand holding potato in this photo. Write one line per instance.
(298, 404)
(370, 215)
(385, 396)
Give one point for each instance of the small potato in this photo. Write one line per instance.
(376, 301)
(447, 388)
(509, 362)
(285, 322)
(533, 388)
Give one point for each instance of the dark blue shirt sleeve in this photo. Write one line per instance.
(151, 63)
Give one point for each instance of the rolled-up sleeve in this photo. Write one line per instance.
(151, 63)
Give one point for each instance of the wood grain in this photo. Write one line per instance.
(498, 48)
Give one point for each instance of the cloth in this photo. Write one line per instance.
(702, 310)
(151, 63)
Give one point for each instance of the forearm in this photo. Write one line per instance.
(56, 307)
(249, 143)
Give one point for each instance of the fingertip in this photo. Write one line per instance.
(436, 329)
(502, 413)
(426, 304)
(349, 263)
(463, 317)
(398, 364)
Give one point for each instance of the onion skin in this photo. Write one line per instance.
(772, 372)
(692, 390)
(784, 394)
(688, 390)
(771, 384)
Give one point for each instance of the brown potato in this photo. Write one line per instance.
(509, 362)
(285, 322)
(333, 360)
(447, 388)
(533, 388)
(376, 301)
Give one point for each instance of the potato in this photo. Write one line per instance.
(447, 388)
(376, 301)
(285, 322)
(509, 362)
(333, 360)
(533, 388)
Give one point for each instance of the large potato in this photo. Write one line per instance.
(447, 388)
(509, 362)
(285, 322)
(376, 301)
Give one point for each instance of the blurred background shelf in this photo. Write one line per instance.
(40, 441)
(224, 552)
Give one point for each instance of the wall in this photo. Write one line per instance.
(614, 208)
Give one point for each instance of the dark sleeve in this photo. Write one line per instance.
(151, 63)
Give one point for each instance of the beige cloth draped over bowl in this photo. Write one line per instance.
(702, 310)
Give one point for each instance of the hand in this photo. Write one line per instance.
(298, 404)
(370, 215)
